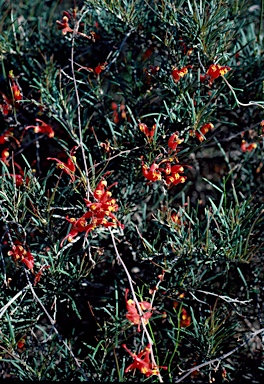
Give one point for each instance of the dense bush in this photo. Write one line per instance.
(131, 190)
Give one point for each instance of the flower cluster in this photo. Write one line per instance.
(132, 312)
(19, 253)
(142, 362)
(170, 174)
(100, 213)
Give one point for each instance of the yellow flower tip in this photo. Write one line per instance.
(72, 220)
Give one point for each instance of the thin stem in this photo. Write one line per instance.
(238, 102)
(130, 281)
(75, 32)
(52, 322)
(219, 359)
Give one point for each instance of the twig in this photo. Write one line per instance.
(219, 359)
(76, 27)
(6, 306)
(130, 281)
(238, 102)
(52, 322)
(225, 298)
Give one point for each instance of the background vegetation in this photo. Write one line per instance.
(93, 90)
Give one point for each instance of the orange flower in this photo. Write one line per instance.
(174, 176)
(174, 141)
(16, 92)
(64, 25)
(4, 156)
(68, 167)
(21, 342)
(133, 315)
(100, 68)
(100, 213)
(152, 173)
(142, 362)
(39, 274)
(20, 254)
(215, 71)
(43, 128)
(204, 129)
(246, 147)
(185, 319)
(177, 74)
(148, 132)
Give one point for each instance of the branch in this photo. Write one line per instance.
(219, 359)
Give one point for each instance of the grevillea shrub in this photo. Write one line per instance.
(131, 189)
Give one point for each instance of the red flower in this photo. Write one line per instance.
(39, 274)
(100, 213)
(19, 177)
(152, 173)
(142, 362)
(5, 155)
(64, 25)
(20, 254)
(177, 74)
(248, 147)
(78, 226)
(173, 175)
(174, 141)
(43, 128)
(7, 105)
(215, 71)
(203, 131)
(97, 70)
(133, 315)
(68, 167)
(119, 113)
(185, 319)
(148, 132)
(16, 92)
(100, 68)
(6, 135)
(21, 342)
